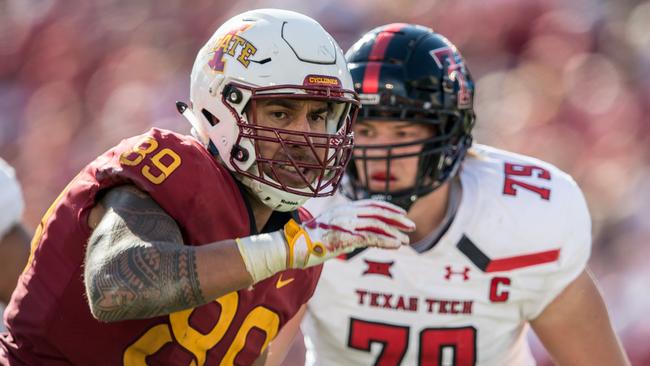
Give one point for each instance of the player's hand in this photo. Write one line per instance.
(365, 223)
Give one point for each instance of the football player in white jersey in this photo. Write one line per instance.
(14, 239)
(502, 240)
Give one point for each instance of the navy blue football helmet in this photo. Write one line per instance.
(410, 73)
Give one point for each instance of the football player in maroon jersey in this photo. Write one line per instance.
(179, 250)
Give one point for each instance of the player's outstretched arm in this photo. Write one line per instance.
(137, 265)
(575, 327)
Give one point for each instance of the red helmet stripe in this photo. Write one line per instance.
(383, 38)
(377, 52)
(371, 78)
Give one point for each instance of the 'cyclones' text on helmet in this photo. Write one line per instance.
(261, 55)
(410, 73)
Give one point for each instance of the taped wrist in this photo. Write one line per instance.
(302, 252)
(264, 255)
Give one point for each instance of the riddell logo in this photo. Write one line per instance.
(369, 99)
(321, 80)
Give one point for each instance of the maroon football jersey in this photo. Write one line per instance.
(48, 318)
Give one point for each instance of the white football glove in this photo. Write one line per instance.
(365, 223)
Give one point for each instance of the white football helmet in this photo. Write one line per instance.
(263, 54)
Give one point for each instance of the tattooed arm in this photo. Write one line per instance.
(138, 267)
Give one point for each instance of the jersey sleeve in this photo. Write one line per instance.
(183, 178)
(574, 252)
(11, 198)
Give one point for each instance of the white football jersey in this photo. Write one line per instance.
(11, 198)
(521, 234)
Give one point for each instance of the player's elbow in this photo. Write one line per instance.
(107, 300)
(99, 301)
(108, 295)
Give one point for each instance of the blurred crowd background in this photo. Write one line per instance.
(567, 82)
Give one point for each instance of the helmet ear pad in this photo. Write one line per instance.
(262, 54)
(410, 73)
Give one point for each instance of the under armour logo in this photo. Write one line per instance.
(450, 272)
(379, 268)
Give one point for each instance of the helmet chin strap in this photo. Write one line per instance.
(402, 199)
(272, 197)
